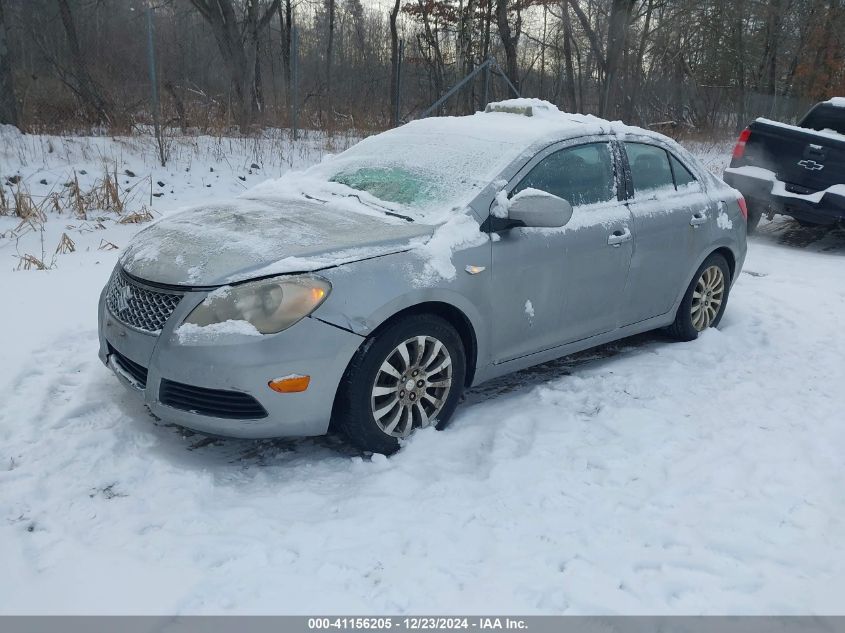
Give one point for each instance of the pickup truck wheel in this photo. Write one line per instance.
(755, 214)
(408, 376)
(705, 300)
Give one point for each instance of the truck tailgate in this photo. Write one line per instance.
(805, 160)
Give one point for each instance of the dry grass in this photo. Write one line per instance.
(91, 206)
(66, 245)
(30, 262)
(105, 245)
(104, 196)
(144, 215)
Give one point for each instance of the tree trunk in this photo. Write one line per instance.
(238, 48)
(510, 39)
(617, 31)
(8, 100)
(330, 6)
(394, 60)
(84, 86)
(467, 54)
(637, 80)
(285, 25)
(739, 66)
(569, 82)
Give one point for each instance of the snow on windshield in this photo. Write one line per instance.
(423, 166)
(430, 167)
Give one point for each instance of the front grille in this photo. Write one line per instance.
(217, 403)
(137, 372)
(138, 306)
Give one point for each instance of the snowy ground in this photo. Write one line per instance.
(643, 477)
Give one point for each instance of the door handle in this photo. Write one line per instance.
(698, 219)
(618, 237)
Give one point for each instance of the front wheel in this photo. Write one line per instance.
(408, 376)
(705, 300)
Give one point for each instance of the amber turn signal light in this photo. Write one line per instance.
(290, 384)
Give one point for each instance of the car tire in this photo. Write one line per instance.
(388, 386)
(755, 214)
(699, 309)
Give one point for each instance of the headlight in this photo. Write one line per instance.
(271, 305)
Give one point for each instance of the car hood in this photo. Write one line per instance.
(244, 239)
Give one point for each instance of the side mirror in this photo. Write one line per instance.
(532, 207)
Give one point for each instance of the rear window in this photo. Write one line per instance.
(825, 117)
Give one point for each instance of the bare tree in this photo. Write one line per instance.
(237, 41)
(330, 24)
(394, 57)
(286, 29)
(78, 78)
(617, 34)
(509, 37)
(8, 98)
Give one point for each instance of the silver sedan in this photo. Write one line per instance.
(366, 293)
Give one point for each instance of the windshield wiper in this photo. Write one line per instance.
(372, 205)
(384, 210)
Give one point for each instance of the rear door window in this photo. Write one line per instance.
(684, 180)
(582, 175)
(650, 168)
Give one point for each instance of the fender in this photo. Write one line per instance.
(368, 293)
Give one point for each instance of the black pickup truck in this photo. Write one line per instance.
(795, 170)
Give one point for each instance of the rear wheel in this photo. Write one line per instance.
(755, 214)
(705, 300)
(408, 376)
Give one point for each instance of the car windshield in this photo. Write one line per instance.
(424, 171)
(392, 184)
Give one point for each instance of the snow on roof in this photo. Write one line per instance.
(519, 124)
(839, 102)
(527, 107)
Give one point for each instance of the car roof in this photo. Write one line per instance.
(520, 123)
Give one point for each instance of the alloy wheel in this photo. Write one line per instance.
(707, 298)
(411, 386)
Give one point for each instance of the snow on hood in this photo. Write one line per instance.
(244, 239)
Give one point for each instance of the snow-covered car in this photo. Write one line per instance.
(370, 290)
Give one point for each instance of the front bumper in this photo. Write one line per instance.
(820, 208)
(236, 365)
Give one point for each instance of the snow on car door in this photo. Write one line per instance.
(672, 218)
(556, 285)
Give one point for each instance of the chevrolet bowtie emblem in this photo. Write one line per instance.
(811, 165)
